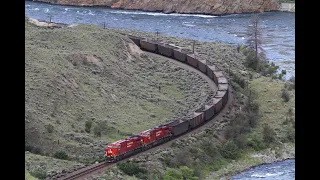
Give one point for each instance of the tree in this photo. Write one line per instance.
(254, 42)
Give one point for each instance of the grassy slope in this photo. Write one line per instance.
(29, 177)
(120, 87)
(273, 110)
(37, 163)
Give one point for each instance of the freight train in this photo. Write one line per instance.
(165, 132)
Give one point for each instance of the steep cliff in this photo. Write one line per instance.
(215, 7)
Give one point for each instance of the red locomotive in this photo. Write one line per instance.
(145, 140)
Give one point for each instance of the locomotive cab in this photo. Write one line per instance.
(111, 152)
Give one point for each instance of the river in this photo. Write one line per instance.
(278, 28)
(284, 170)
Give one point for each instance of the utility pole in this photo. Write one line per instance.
(194, 41)
(157, 33)
(104, 25)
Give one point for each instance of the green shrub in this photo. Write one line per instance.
(291, 86)
(61, 155)
(102, 127)
(292, 79)
(172, 174)
(239, 80)
(268, 134)
(40, 174)
(131, 168)
(187, 173)
(168, 161)
(274, 76)
(256, 144)
(239, 125)
(230, 150)
(32, 149)
(285, 95)
(281, 76)
(193, 150)
(252, 119)
(241, 141)
(88, 126)
(50, 128)
(174, 144)
(97, 131)
(184, 158)
(290, 135)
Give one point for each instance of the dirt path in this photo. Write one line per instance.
(212, 85)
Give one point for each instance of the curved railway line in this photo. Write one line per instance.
(215, 83)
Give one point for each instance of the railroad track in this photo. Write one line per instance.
(84, 173)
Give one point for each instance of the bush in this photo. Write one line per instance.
(239, 80)
(241, 141)
(256, 143)
(291, 86)
(184, 158)
(100, 128)
(252, 119)
(229, 150)
(291, 135)
(40, 174)
(168, 161)
(172, 174)
(292, 79)
(50, 128)
(239, 125)
(187, 173)
(268, 134)
(281, 76)
(32, 149)
(131, 168)
(285, 95)
(61, 155)
(97, 131)
(88, 126)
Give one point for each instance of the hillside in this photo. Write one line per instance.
(86, 86)
(205, 154)
(215, 7)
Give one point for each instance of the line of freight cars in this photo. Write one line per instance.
(152, 137)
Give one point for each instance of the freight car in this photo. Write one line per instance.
(166, 50)
(152, 137)
(180, 55)
(149, 45)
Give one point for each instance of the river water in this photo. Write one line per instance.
(284, 170)
(278, 28)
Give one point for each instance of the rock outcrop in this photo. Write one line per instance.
(214, 7)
